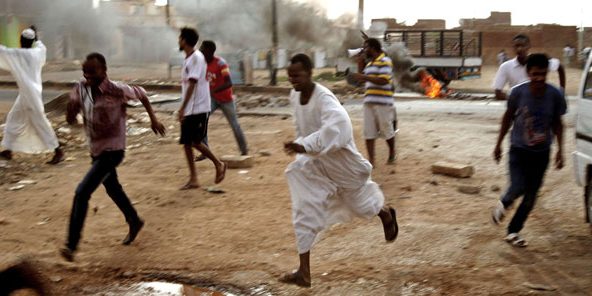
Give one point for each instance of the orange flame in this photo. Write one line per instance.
(431, 86)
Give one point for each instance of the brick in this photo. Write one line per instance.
(453, 169)
(469, 189)
(238, 161)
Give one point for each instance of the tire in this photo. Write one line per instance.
(588, 200)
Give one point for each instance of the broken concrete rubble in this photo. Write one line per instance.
(469, 189)
(453, 169)
(238, 162)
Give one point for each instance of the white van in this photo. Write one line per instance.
(582, 157)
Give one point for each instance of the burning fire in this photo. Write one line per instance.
(432, 87)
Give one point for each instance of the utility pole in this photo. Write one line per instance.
(361, 15)
(272, 65)
(167, 10)
(581, 31)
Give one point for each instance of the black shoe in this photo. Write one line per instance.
(394, 225)
(6, 154)
(67, 254)
(134, 229)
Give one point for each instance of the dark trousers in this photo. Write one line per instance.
(527, 170)
(101, 171)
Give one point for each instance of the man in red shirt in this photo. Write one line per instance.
(218, 75)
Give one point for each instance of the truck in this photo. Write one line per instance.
(582, 156)
(446, 54)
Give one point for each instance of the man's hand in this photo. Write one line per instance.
(497, 153)
(158, 128)
(34, 28)
(359, 77)
(181, 115)
(292, 148)
(559, 160)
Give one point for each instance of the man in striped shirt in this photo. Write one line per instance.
(378, 102)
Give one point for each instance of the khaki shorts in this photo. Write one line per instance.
(378, 121)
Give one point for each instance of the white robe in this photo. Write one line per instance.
(27, 128)
(331, 182)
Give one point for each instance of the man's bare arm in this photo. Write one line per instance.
(227, 84)
(373, 79)
(561, 72)
(157, 127)
(558, 131)
(500, 95)
(505, 126)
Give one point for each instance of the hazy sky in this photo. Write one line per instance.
(564, 12)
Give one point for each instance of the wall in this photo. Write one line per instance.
(550, 39)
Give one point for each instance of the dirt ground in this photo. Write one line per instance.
(242, 240)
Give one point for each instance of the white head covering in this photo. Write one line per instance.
(28, 33)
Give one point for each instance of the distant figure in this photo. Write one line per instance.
(379, 112)
(218, 75)
(27, 128)
(568, 53)
(329, 180)
(195, 109)
(501, 57)
(534, 111)
(513, 72)
(102, 103)
(271, 68)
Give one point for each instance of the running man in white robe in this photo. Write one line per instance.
(27, 128)
(330, 180)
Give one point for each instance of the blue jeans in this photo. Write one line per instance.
(102, 171)
(229, 111)
(527, 170)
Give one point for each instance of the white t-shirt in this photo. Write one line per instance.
(195, 67)
(513, 73)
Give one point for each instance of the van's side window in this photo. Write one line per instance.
(588, 86)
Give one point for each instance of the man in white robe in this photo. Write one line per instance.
(27, 128)
(330, 180)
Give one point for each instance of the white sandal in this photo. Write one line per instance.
(516, 240)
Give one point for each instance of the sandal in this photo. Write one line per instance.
(393, 225)
(515, 240)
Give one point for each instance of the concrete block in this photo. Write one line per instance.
(238, 161)
(469, 189)
(453, 169)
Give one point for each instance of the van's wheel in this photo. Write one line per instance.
(588, 200)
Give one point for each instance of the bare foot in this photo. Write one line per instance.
(220, 173)
(200, 157)
(295, 278)
(190, 185)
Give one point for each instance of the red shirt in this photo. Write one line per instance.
(217, 72)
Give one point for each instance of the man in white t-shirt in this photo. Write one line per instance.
(513, 72)
(195, 109)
